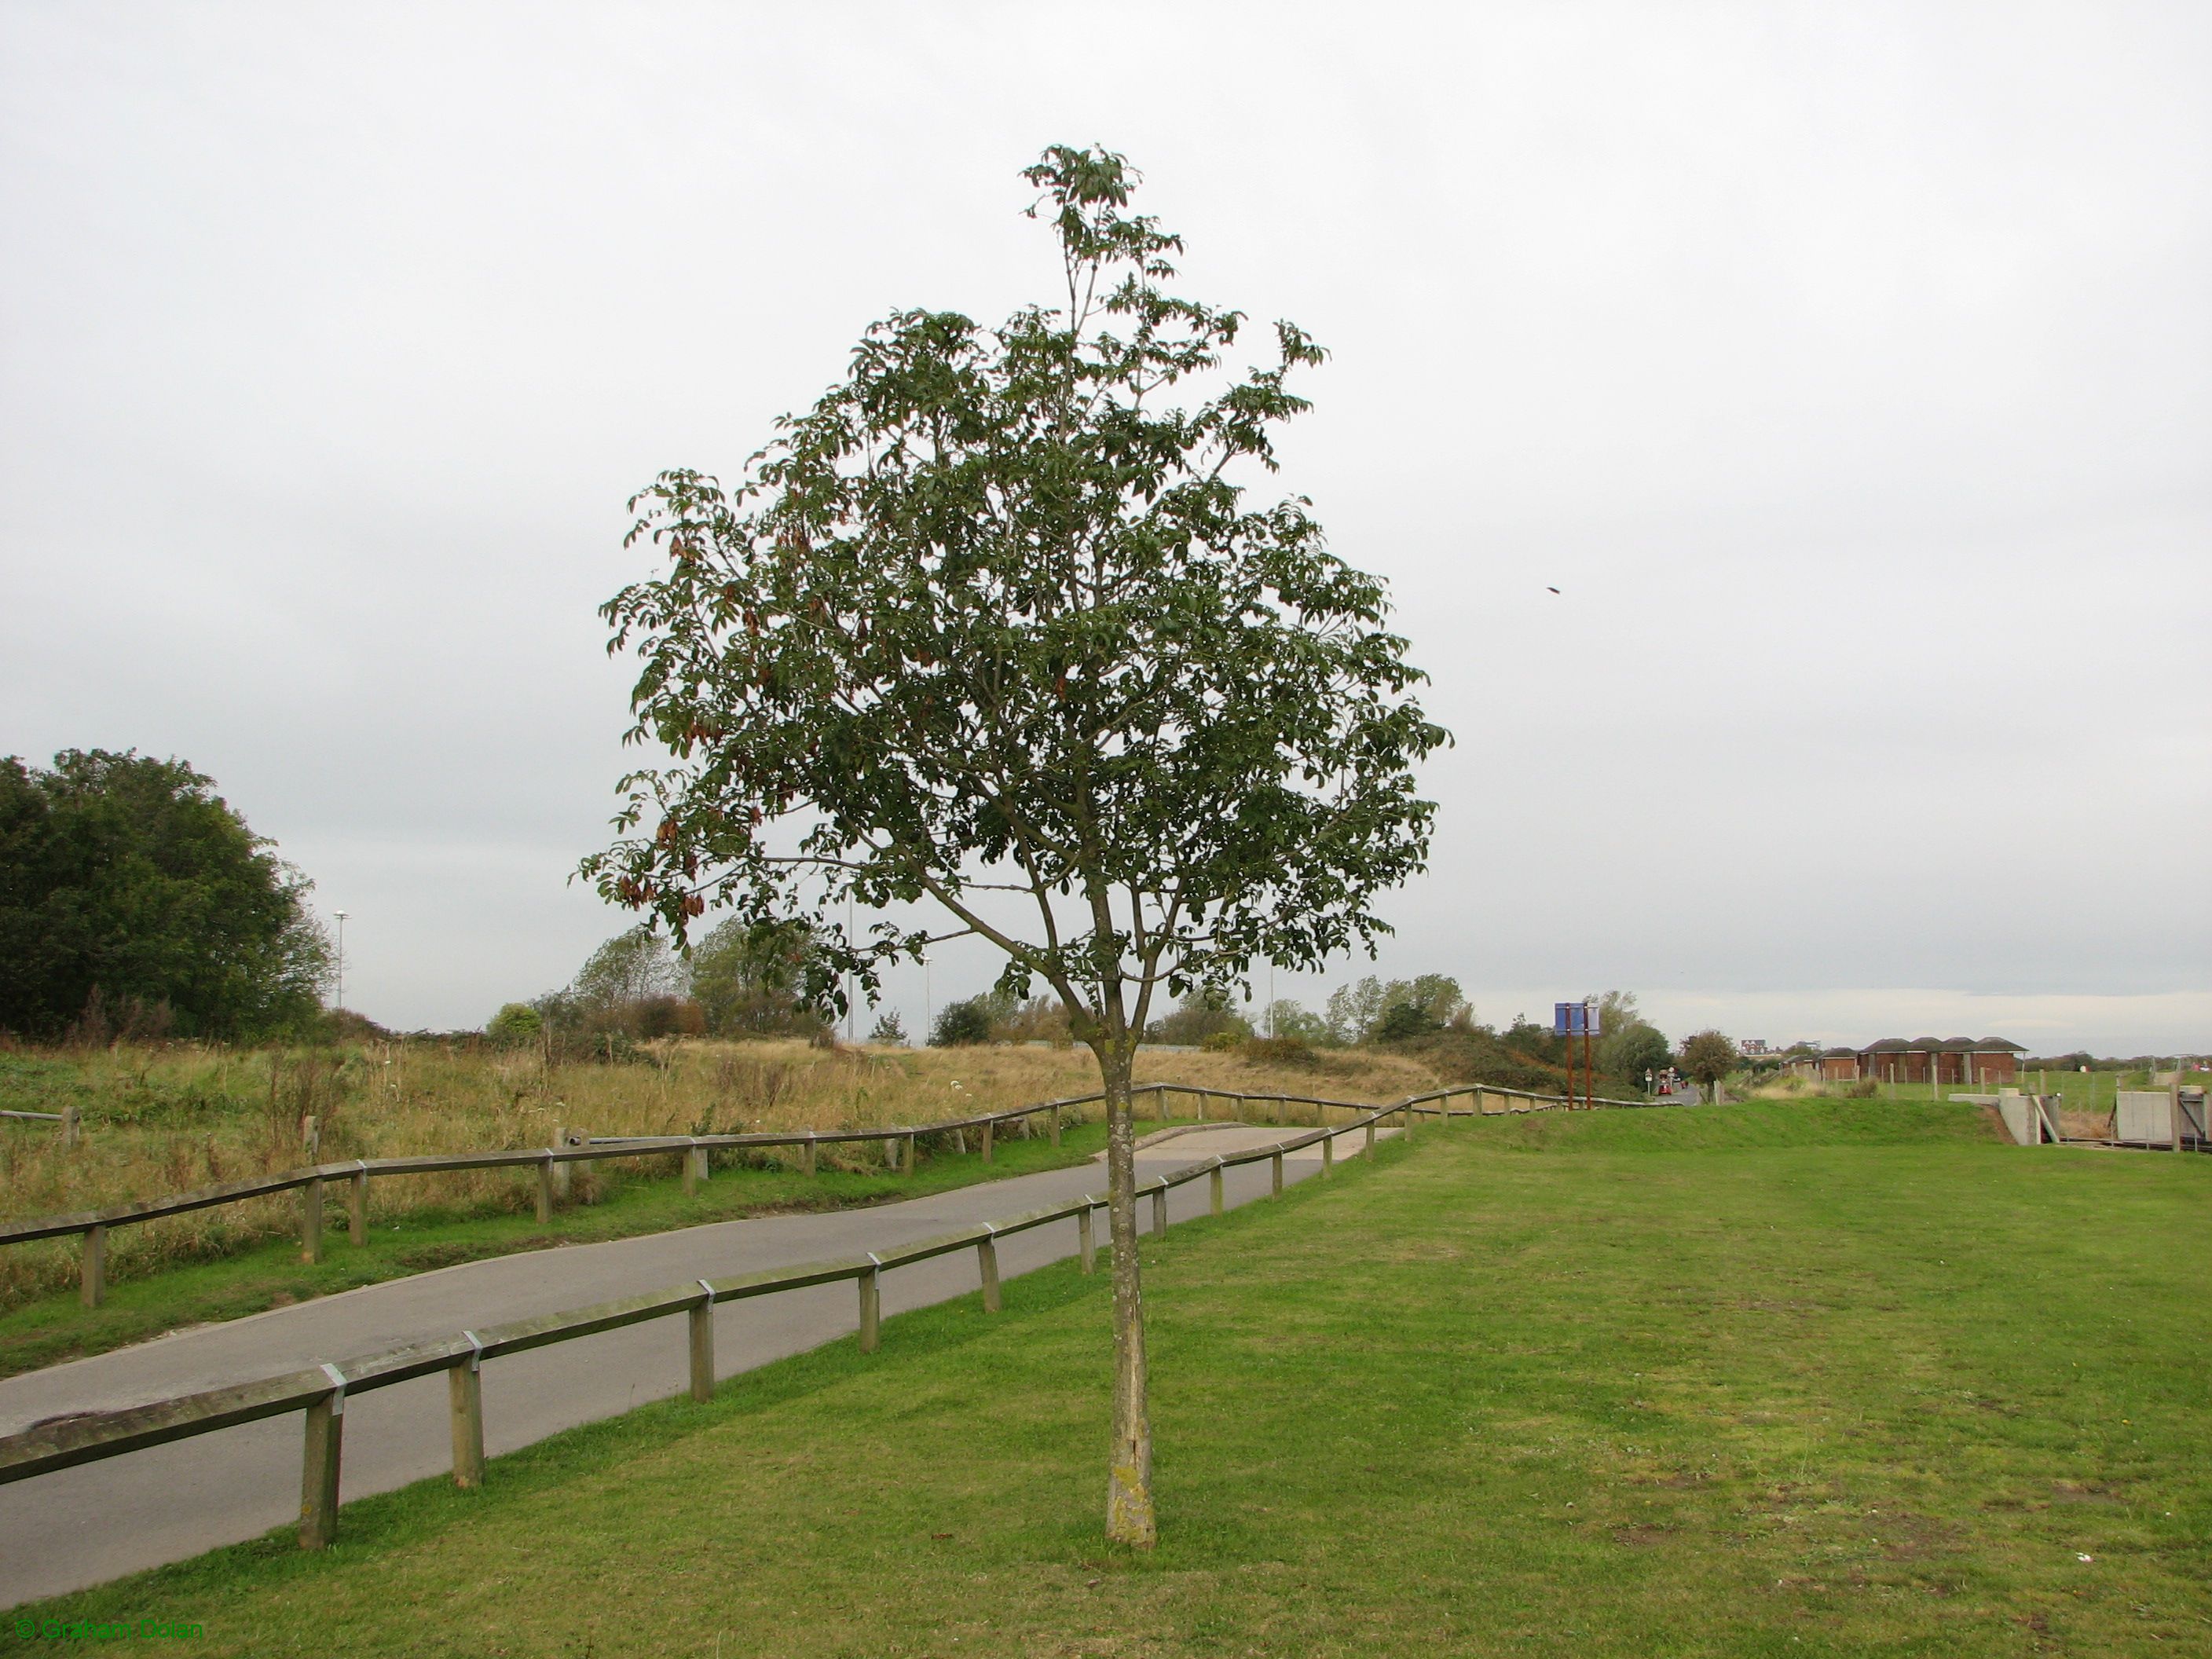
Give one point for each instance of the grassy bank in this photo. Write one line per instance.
(167, 1119)
(1833, 1377)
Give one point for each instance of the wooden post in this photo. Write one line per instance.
(701, 1320)
(694, 1169)
(357, 1206)
(987, 1265)
(92, 1270)
(545, 1189)
(1213, 1194)
(1408, 1124)
(1086, 1245)
(1055, 1126)
(1159, 1212)
(872, 1303)
(806, 1158)
(1369, 1148)
(988, 1126)
(1200, 1094)
(465, 1401)
(1240, 1109)
(913, 1153)
(71, 1125)
(311, 1222)
(1278, 1161)
(562, 1173)
(1329, 1155)
(319, 1466)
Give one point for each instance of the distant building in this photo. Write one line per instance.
(1754, 1046)
(1966, 1062)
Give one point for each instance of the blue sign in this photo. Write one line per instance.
(1574, 1019)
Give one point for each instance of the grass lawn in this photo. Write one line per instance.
(1829, 1377)
(58, 1327)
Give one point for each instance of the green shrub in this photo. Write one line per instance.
(517, 1022)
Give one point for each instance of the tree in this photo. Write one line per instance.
(1708, 1057)
(1401, 1020)
(1628, 1045)
(1372, 1009)
(1354, 1009)
(889, 1028)
(752, 980)
(515, 1023)
(127, 883)
(1286, 1018)
(1204, 1013)
(630, 967)
(992, 627)
(962, 1024)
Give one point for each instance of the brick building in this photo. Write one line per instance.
(1964, 1062)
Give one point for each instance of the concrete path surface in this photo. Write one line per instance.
(85, 1525)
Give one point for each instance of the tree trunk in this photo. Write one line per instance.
(1129, 1517)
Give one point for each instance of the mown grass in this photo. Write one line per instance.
(160, 1120)
(1774, 1380)
(58, 1326)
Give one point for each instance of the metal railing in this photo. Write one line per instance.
(321, 1390)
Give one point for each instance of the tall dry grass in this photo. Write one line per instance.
(163, 1119)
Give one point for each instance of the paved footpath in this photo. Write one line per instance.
(85, 1525)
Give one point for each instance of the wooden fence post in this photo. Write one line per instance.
(1055, 1126)
(1240, 1109)
(357, 1205)
(694, 1169)
(319, 1466)
(988, 1126)
(464, 1402)
(1278, 1161)
(71, 1126)
(563, 1174)
(701, 1321)
(92, 1270)
(1329, 1155)
(545, 1188)
(913, 1153)
(872, 1303)
(1213, 1196)
(1369, 1148)
(987, 1266)
(1408, 1121)
(1159, 1212)
(1086, 1245)
(311, 1222)
(806, 1158)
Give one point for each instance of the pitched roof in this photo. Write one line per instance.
(1932, 1045)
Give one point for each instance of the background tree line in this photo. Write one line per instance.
(136, 901)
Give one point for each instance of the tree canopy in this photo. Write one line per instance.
(127, 883)
(993, 628)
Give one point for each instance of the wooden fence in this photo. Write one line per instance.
(552, 1164)
(321, 1391)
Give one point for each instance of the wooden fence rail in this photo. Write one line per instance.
(321, 1391)
(90, 1227)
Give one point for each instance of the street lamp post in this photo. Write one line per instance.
(341, 916)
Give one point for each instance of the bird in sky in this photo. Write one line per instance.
(1551, 590)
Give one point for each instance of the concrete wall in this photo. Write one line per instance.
(2143, 1118)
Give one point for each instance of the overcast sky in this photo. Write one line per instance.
(1849, 370)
